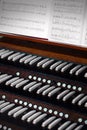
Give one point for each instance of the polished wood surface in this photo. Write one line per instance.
(45, 48)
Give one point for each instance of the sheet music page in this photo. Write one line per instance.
(67, 19)
(25, 17)
(0, 9)
(85, 43)
(84, 36)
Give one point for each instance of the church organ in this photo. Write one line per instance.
(41, 91)
(43, 65)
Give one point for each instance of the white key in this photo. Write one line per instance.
(2, 50)
(5, 78)
(29, 85)
(11, 80)
(42, 89)
(47, 63)
(79, 127)
(25, 116)
(62, 94)
(35, 86)
(42, 62)
(54, 123)
(48, 121)
(6, 108)
(82, 101)
(72, 71)
(32, 88)
(13, 55)
(64, 125)
(34, 60)
(79, 71)
(38, 119)
(60, 66)
(21, 83)
(77, 98)
(18, 57)
(85, 75)
(85, 105)
(6, 54)
(34, 116)
(1, 102)
(67, 96)
(29, 59)
(11, 112)
(4, 104)
(55, 64)
(19, 112)
(24, 58)
(66, 67)
(2, 76)
(16, 82)
(72, 126)
(53, 92)
(45, 92)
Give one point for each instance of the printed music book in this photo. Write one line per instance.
(62, 21)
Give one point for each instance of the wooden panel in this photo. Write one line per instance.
(44, 48)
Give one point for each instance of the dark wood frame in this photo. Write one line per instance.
(44, 47)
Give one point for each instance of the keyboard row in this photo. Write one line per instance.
(37, 118)
(42, 90)
(50, 65)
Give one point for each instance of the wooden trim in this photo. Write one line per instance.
(45, 48)
(45, 52)
(45, 41)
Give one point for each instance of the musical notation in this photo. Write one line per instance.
(25, 17)
(56, 20)
(67, 21)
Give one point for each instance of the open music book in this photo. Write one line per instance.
(63, 21)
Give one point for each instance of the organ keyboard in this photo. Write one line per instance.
(39, 90)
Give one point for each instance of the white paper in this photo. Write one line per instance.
(67, 18)
(0, 9)
(84, 36)
(62, 21)
(85, 43)
(26, 17)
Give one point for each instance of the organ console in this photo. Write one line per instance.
(42, 85)
(43, 80)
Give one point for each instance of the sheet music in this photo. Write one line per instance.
(26, 17)
(0, 9)
(67, 18)
(57, 20)
(84, 36)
